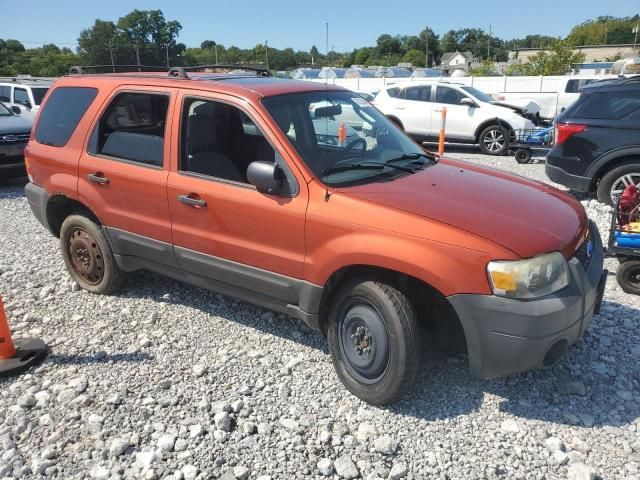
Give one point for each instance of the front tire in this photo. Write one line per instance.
(88, 256)
(493, 140)
(374, 341)
(615, 180)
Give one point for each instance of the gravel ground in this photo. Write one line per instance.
(169, 381)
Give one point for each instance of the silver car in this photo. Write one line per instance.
(14, 135)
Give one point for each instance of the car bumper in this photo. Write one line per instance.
(506, 336)
(38, 199)
(573, 182)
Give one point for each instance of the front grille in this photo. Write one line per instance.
(13, 138)
(585, 251)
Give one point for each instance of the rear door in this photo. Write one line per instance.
(123, 171)
(413, 108)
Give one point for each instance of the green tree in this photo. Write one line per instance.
(415, 57)
(603, 30)
(557, 61)
(102, 44)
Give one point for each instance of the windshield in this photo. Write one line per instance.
(4, 111)
(483, 97)
(343, 139)
(38, 94)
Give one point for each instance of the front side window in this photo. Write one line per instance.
(21, 97)
(62, 113)
(343, 139)
(448, 95)
(219, 140)
(5, 92)
(133, 128)
(480, 95)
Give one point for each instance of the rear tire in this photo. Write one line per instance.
(374, 341)
(628, 276)
(88, 256)
(612, 183)
(493, 140)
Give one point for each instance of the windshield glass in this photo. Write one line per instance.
(343, 139)
(4, 111)
(39, 93)
(483, 97)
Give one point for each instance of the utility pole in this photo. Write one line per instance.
(113, 64)
(635, 39)
(489, 45)
(266, 51)
(216, 48)
(426, 64)
(326, 46)
(167, 47)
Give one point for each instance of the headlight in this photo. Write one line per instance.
(530, 278)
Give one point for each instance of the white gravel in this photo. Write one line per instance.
(169, 381)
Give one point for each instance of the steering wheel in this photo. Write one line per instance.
(352, 145)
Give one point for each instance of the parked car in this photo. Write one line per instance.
(597, 147)
(14, 135)
(472, 117)
(25, 95)
(372, 241)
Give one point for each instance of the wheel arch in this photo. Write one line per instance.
(396, 120)
(609, 161)
(59, 207)
(488, 123)
(432, 307)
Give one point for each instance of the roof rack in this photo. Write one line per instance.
(181, 72)
(84, 69)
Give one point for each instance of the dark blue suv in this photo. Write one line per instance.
(597, 146)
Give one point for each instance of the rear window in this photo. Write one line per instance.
(393, 92)
(574, 85)
(62, 113)
(607, 105)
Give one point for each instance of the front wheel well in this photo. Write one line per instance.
(59, 207)
(396, 120)
(434, 311)
(488, 123)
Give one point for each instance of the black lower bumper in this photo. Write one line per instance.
(506, 336)
(38, 199)
(573, 182)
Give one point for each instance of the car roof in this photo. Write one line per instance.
(613, 84)
(237, 85)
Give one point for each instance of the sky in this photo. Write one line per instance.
(301, 24)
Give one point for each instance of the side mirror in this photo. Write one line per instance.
(267, 177)
(16, 109)
(468, 102)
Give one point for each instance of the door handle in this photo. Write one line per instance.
(98, 177)
(192, 202)
(401, 108)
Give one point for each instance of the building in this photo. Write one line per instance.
(452, 61)
(592, 53)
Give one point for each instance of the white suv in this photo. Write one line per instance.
(471, 115)
(26, 95)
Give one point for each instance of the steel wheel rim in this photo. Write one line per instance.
(623, 182)
(363, 340)
(85, 255)
(494, 140)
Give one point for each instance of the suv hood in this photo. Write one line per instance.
(529, 218)
(14, 124)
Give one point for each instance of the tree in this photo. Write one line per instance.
(315, 54)
(557, 62)
(101, 44)
(415, 58)
(388, 45)
(207, 44)
(603, 30)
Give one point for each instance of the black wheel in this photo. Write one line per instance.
(88, 256)
(493, 140)
(523, 155)
(374, 341)
(616, 180)
(628, 276)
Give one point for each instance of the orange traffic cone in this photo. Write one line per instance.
(18, 357)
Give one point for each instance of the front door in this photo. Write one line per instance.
(461, 123)
(123, 172)
(223, 228)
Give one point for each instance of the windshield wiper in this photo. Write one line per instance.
(409, 156)
(365, 166)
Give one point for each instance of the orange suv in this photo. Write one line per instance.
(304, 199)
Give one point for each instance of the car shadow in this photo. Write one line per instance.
(446, 389)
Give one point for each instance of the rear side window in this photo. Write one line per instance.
(5, 91)
(574, 85)
(607, 105)
(393, 92)
(420, 94)
(132, 128)
(62, 113)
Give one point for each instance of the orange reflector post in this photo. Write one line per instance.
(443, 122)
(342, 135)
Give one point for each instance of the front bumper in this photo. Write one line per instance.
(506, 336)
